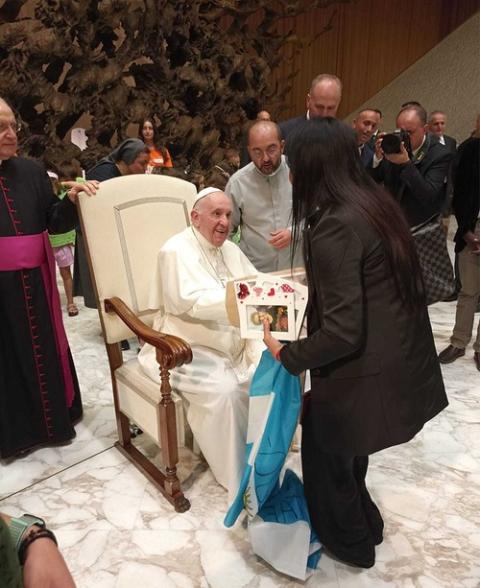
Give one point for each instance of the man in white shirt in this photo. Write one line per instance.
(261, 193)
(192, 271)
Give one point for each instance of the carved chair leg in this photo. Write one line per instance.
(168, 435)
(124, 433)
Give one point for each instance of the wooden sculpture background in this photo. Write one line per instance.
(201, 67)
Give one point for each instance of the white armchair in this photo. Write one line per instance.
(124, 226)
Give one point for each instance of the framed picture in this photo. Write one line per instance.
(257, 301)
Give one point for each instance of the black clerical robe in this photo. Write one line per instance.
(33, 405)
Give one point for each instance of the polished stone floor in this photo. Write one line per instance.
(116, 530)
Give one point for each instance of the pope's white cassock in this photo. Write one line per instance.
(190, 288)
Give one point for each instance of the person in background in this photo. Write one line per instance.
(365, 125)
(411, 103)
(323, 99)
(416, 179)
(130, 157)
(62, 244)
(262, 200)
(39, 394)
(379, 121)
(29, 555)
(244, 155)
(437, 122)
(375, 376)
(264, 115)
(466, 207)
(159, 156)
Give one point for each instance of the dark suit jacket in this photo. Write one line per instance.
(375, 374)
(450, 143)
(367, 155)
(419, 187)
(287, 127)
(466, 193)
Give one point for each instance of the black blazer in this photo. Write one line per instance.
(450, 143)
(466, 192)
(419, 187)
(366, 155)
(290, 126)
(375, 374)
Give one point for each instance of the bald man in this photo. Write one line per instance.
(416, 180)
(323, 99)
(365, 124)
(196, 264)
(261, 193)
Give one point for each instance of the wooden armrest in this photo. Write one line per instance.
(171, 351)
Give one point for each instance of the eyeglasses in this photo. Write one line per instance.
(270, 151)
(13, 126)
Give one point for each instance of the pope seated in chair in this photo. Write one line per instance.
(189, 286)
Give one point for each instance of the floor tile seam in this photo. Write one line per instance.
(56, 473)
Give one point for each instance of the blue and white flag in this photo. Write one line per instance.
(279, 524)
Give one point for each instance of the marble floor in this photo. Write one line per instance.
(116, 530)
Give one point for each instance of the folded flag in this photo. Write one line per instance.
(278, 521)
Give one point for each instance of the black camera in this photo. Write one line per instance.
(391, 142)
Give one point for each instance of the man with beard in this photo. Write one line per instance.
(262, 200)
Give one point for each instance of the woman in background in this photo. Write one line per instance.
(130, 157)
(159, 156)
(375, 377)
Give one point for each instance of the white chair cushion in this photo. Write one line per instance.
(138, 397)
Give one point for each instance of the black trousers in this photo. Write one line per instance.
(342, 512)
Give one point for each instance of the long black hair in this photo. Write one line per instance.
(327, 172)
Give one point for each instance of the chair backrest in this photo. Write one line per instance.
(124, 226)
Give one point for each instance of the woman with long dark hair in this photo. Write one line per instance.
(159, 155)
(375, 377)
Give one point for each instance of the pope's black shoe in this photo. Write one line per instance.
(476, 359)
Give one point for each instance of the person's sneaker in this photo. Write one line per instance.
(476, 359)
(450, 354)
(124, 345)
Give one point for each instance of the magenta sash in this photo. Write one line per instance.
(27, 252)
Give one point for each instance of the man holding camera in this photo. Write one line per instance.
(413, 166)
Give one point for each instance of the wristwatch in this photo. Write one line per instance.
(18, 527)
